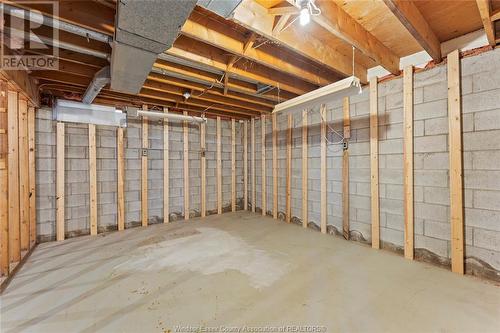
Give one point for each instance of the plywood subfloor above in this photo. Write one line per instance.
(234, 269)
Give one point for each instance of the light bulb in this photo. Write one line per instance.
(304, 16)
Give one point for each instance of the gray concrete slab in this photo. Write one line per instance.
(233, 270)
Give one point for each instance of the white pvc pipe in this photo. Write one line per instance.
(172, 116)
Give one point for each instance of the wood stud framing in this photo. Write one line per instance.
(305, 175)
(275, 166)
(4, 185)
(93, 179)
(60, 197)
(166, 172)
(144, 170)
(289, 169)
(252, 157)
(375, 210)
(186, 167)
(13, 170)
(233, 165)
(23, 174)
(456, 164)
(120, 178)
(245, 165)
(203, 171)
(408, 161)
(219, 167)
(345, 169)
(263, 163)
(323, 177)
(32, 175)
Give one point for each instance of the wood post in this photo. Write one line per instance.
(92, 180)
(245, 165)
(166, 171)
(203, 167)
(375, 210)
(4, 182)
(323, 169)
(233, 165)
(24, 199)
(289, 169)
(121, 178)
(304, 169)
(275, 166)
(252, 157)
(60, 179)
(144, 170)
(456, 173)
(13, 180)
(345, 169)
(408, 161)
(32, 175)
(186, 167)
(263, 163)
(219, 167)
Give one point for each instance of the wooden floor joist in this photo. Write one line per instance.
(13, 172)
(219, 167)
(275, 166)
(456, 163)
(166, 171)
(305, 174)
(263, 163)
(233, 165)
(186, 167)
(24, 198)
(120, 167)
(203, 171)
(323, 177)
(375, 210)
(345, 169)
(289, 169)
(32, 175)
(60, 179)
(144, 170)
(93, 179)
(252, 157)
(245, 165)
(408, 161)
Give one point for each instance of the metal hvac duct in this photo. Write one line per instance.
(222, 8)
(101, 78)
(143, 30)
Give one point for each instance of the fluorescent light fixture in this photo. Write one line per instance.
(347, 87)
(76, 112)
(304, 17)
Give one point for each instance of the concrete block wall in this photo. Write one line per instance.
(77, 178)
(481, 145)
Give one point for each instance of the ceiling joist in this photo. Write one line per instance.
(484, 7)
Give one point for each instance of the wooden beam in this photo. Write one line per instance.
(23, 83)
(289, 169)
(323, 177)
(345, 169)
(305, 174)
(495, 16)
(456, 163)
(252, 157)
(484, 7)
(280, 25)
(144, 170)
(411, 18)
(120, 178)
(375, 209)
(13, 180)
(245, 165)
(233, 165)
(408, 161)
(186, 168)
(4, 182)
(263, 163)
(219, 167)
(60, 180)
(32, 175)
(24, 195)
(254, 17)
(277, 11)
(203, 166)
(275, 166)
(93, 179)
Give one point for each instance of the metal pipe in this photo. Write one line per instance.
(56, 43)
(172, 116)
(42, 19)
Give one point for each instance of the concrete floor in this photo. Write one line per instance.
(233, 270)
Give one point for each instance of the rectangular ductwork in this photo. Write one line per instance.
(144, 29)
(222, 8)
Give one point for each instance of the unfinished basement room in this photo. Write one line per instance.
(250, 166)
